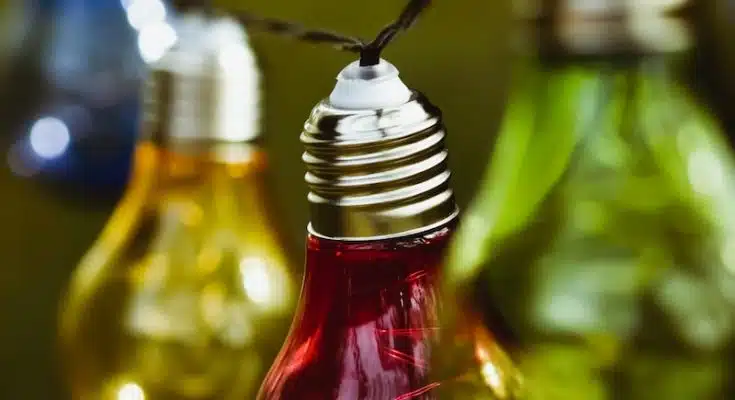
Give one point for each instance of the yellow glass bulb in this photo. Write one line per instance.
(187, 293)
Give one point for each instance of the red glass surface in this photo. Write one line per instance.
(365, 322)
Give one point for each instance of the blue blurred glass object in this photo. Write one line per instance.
(84, 131)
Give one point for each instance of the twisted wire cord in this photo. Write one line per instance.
(297, 31)
(369, 51)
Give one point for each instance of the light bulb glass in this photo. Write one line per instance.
(598, 249)
(366, 322)
(187, 293)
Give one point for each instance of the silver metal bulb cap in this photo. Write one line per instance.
(594, 9)
(205, 88)
(377, 173)
(587, 27)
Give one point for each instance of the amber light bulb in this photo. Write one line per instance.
(187, 294)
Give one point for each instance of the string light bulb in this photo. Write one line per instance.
(88, 61)
(187, 293)
(598, 248)
(382, 213)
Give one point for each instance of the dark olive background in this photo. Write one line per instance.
(457, 55)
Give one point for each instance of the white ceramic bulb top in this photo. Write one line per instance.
(370, 87)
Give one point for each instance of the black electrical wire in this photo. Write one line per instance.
(370, 54)
(297, 31)
(369, 51)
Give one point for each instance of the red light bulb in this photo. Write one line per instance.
(366, 321)
(382, 213)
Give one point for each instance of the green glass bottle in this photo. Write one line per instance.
(600, 249)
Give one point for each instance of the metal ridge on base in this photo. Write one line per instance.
(377, 173)
(204, 88)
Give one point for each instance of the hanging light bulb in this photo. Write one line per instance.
(382, 212)
(599, 247)
(89, 61)
(186, 294)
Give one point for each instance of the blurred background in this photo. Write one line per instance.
(69, 77)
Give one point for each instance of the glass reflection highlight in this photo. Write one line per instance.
(154, 40)
(141, 13)
(256, 282)
(130, 391)
(49, 137)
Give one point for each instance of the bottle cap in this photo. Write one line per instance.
(206, 87)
